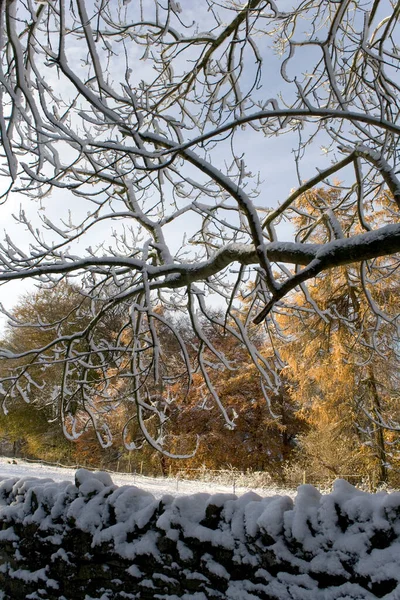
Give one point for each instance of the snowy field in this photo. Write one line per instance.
(156, 486)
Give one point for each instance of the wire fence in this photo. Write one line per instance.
(229, 477)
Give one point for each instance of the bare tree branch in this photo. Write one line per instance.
(139, 145)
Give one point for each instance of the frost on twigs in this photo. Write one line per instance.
(142, 146)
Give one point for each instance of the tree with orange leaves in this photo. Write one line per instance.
(263, 435)
(340, 343)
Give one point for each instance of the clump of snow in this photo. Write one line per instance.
(96, 480)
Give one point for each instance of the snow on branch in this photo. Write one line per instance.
(180, 182)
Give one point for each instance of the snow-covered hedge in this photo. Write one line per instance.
(94, 540)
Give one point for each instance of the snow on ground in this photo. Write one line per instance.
(155, 485)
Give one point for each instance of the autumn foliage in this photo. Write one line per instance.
(334, 412)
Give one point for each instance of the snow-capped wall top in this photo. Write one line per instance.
(343, 542)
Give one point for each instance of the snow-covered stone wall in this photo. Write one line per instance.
(60, 541)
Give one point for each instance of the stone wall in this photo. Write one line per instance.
(94, 540)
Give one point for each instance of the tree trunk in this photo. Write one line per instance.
(379, 439)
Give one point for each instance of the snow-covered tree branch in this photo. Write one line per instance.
(142, 142)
